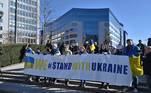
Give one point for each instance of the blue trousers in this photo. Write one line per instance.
(135, 81)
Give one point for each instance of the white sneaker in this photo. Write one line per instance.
(135, 90)
(107, 87)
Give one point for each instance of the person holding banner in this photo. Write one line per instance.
(48, 44)
(92, 47)
(38, 51)
(133, 52)
(82, 50)
(75, 49)
(104, 49)
(147, 65)
(67, 52)
(56, 52)
(22, 53)
(29, 49)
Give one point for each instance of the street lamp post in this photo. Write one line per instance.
(15, 32)
(1, 14)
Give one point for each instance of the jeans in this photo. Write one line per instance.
(82, 82)
(135, 81)
(148, 81)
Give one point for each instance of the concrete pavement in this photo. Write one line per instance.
(23, 88)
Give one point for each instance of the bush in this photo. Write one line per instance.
(9, 54)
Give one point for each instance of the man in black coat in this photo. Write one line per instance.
(147, 65)
(22, 53)
(142, 48)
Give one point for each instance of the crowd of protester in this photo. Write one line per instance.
(91, 47)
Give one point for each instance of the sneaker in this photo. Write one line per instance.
(102, 85)
(30, 79)
(82, 85)
(135, 90)
(107, 87)
(66, 83)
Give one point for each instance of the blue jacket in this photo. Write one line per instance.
(29, 50)
(134, 51)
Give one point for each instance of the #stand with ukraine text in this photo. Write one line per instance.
(105, 68)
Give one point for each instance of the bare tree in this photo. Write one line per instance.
(45, 17)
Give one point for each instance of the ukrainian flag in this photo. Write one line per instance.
(29, 61)
(92, 46)
(136, 68)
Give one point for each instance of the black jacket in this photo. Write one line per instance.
(147, 64)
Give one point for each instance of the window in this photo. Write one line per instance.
(35, 10)
(12, 3)
(29, 8)
(24, 13)
(1, 28)
(73, 35)
(1, 5)
(67, 37)
(1, 20)
(0, 35)
(28, 40)
(24, 1)
(23, 40)
(24, 6)
(12, 10)
(106, 24)
(31, 40)
(72, 41)
(32, 2)
(21, 6)
(35, 3)
(66, 42)
(34, 40)
(74, 24)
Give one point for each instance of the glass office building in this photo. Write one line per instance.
(80, 25)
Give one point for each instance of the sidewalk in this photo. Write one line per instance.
(15, 67)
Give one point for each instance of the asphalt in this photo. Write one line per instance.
(23, 88)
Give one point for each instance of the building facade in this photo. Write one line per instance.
(81, 25)
(26, 18)
(3, 18)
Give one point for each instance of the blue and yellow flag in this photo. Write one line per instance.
(29, 61)
(136, 68)
(92, 46)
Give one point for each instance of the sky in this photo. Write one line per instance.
(134, 14)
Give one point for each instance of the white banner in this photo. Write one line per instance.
(112, 69)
